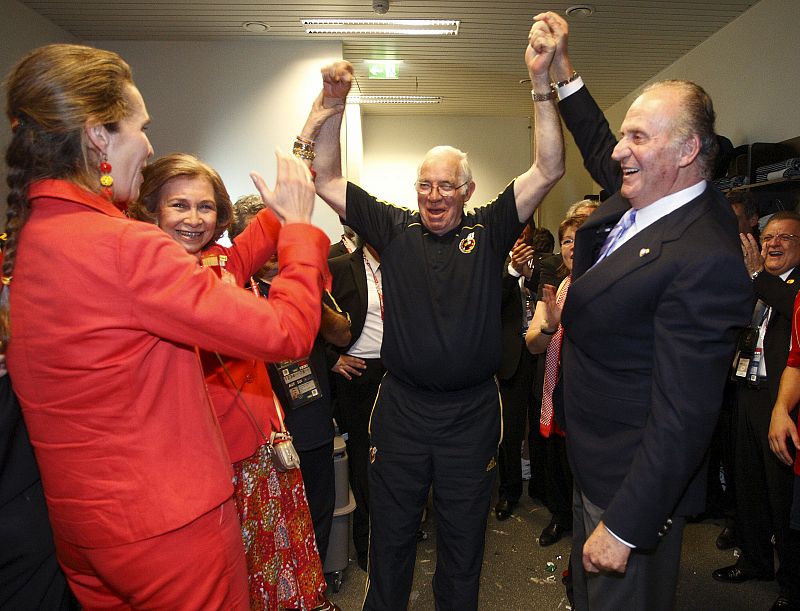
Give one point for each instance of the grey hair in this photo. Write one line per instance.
(464, 171)
(244, 208)
(584, 203)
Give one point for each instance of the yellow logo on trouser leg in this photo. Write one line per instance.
(373, 452)
(492, 464)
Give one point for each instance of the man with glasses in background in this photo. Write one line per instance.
(436, 420)
(763, 484)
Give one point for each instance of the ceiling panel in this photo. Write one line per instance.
(622, 45)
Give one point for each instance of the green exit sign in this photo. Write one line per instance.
(383, 69)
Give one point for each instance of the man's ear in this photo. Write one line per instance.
(97, 136)
(689, 150)
(470, 191)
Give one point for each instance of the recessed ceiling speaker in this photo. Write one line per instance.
(380, 6)
(580, 10)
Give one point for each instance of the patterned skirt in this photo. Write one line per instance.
(284, 569)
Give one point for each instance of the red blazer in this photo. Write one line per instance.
(241, 417)
(105, 313)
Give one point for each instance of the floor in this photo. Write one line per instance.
(518, 575)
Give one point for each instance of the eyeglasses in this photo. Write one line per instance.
(783, 238)
(567, 242)
(445, 188)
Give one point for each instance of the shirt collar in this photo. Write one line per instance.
(662, 207)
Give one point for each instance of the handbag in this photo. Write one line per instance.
(280, 443)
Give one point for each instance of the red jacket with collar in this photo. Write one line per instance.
(241, 392)
(104, 314)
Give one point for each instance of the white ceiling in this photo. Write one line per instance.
(477, 73)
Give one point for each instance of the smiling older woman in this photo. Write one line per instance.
(187, 199)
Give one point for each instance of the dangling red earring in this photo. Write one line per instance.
(106, 180)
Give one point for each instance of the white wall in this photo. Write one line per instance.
(498, 149)
(21, 30)
(749, 68)
(230, 103)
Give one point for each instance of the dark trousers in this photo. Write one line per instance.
(650, 578)
(558, 481)
(354, 401)
(763, 492)
(317, 468)
(420, 438)
(517, 396)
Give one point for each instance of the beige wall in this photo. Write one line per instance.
(20, 31)
(498, 149)
(749, 69)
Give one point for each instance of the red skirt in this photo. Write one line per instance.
(283, 564)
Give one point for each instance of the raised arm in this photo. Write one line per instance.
(329, 182)
(548, 166)
(583, 118)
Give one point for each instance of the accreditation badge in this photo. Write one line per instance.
(299, 382)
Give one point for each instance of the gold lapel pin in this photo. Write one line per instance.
(644, 251)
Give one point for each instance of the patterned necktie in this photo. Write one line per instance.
(619, 230)
(552, 364)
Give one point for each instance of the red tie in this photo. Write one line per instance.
(552, 364)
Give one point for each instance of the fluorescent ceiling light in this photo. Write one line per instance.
(409, 27)
(394, 99)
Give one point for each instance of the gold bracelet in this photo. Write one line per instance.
(305, 140)
(544, 97)
(303, 152)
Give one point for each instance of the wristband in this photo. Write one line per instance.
(544, 97)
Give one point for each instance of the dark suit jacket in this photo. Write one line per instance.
(649, 337)
(511, 320)
(780, 296)
(349, 289)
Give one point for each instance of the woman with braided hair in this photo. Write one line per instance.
(101, 314)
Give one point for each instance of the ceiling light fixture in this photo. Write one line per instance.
(580, 10)
(257, 27)
(408, 27)
(394, 99)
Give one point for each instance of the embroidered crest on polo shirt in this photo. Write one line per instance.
(467, 244)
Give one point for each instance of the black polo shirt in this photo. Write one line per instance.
(441, 294)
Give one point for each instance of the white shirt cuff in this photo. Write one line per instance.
(512, 271)
(568, 89)
(623, 541)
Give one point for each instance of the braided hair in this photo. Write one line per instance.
(52, 93)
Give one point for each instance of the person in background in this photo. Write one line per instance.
(100, 316)
(187, 199)
(545, 336)
(517, 370)
(303, 389)
(782, 431)
(358, 371)
(436, 419)
(763, 483)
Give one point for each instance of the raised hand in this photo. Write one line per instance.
(336, 81)
(561, 68)
(540, 50)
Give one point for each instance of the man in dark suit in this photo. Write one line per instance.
(359, 370)
(516, 374)
(764, 484)
(659, 292)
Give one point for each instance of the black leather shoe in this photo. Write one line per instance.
(726, 539)
(784, 604)
(504, 509)
(733, 574)
(552, 533)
